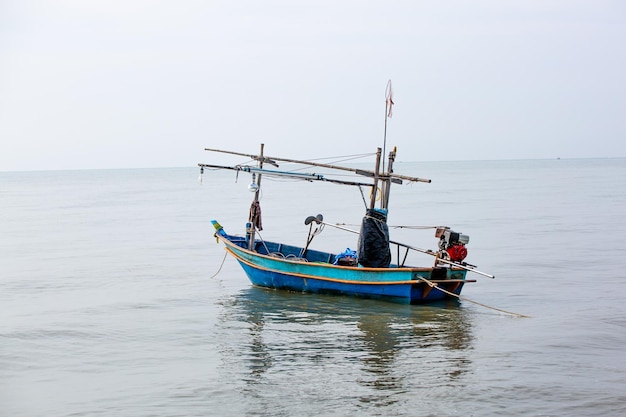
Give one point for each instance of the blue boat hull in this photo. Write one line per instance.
(316, 274)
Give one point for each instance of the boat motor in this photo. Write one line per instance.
(452, 244)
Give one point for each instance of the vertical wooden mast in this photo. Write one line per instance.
(256, 199)
(376, 176)
(386, 185)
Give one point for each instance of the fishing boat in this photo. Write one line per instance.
(370, 271)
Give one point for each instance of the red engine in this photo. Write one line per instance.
(457, 252)
(452, 243)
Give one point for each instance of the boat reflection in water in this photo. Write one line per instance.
(366, 350)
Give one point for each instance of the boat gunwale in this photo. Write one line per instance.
(404, 270)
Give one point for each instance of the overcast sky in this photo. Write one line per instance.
(146, 83)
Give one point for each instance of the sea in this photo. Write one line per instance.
(116, 300)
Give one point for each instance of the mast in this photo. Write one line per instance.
(255, 202)
(376, 177)
(388, 105)
(386, 185)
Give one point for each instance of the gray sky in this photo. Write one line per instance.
(145, 83)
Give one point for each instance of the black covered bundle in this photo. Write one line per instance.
(374, 240)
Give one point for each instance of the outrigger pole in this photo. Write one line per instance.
(396, 178)
(296, 175)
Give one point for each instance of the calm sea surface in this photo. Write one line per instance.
(109, 305)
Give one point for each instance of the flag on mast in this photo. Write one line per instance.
(389, 98)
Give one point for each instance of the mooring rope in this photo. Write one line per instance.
(218, 271)
(433, 285)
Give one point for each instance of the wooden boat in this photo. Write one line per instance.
(367, 272)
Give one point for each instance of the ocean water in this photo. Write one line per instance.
(115, 299)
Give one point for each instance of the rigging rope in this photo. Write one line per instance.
(337, 159)
(393, 227)
(263, 242)
(414, 227)
(363, 196)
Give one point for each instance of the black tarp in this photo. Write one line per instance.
(374, 240)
